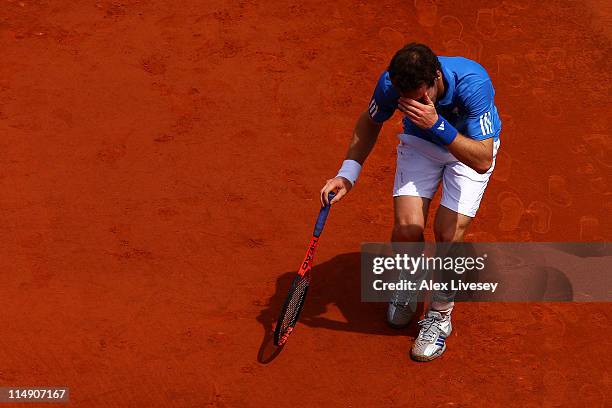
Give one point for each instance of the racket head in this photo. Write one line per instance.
(291, 309)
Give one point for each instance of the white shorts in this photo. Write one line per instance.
(420, 167)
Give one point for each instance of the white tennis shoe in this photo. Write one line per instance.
(401, 310)
(431, 341)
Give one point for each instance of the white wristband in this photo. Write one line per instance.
(350, 170)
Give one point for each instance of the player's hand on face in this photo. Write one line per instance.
(423, 115)
(339, 185)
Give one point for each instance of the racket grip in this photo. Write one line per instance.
(323, 213)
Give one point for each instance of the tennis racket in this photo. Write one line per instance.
(299, 287)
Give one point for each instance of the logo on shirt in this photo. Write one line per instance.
(373, 108)
(486, 124)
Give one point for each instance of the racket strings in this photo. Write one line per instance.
(293, 307)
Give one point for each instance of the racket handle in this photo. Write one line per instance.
(323, 216)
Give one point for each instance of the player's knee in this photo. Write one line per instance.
(407, 233)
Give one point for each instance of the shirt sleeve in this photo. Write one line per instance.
(480, 107)
(384, 101)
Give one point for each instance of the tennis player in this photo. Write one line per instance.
(450, 136)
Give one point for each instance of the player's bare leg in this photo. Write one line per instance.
(449, 226)
(410, 215)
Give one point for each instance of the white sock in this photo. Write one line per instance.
(443, 308)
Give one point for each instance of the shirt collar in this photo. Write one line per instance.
(449, 82)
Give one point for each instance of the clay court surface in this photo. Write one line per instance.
(159, 169)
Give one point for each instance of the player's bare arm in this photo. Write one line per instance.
(364, 138)
(477, 154)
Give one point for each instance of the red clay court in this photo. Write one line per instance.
(160, 164)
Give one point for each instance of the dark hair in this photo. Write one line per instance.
(415, 64)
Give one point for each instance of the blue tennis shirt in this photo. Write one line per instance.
(467, 102)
